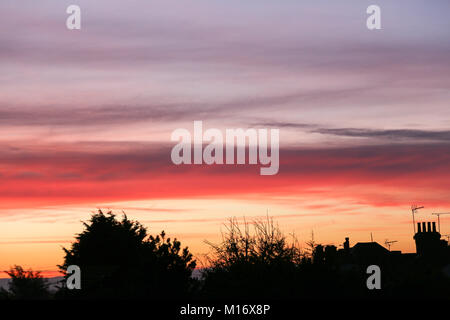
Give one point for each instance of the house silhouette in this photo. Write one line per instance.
(431, 250)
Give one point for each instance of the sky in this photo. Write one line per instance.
(86, 118)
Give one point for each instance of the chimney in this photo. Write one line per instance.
(347, 244)
(419, 227)
(434, 226)
(424, 227)
(429, 226)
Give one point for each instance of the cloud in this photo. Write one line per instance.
(380, 175)
(90, 115)
(393, 135)
(281, 124)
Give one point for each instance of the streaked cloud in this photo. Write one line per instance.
(393, 135)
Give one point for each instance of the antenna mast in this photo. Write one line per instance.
(389, 243)
(414, 209)
(439, 220)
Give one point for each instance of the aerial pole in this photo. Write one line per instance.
(389, 243)
(438, 214)
(414, 209)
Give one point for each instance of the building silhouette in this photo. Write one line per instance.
(428, 241)
(429, 246)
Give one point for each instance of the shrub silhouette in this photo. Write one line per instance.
(26, 285)
(118, 259)
(261, 263)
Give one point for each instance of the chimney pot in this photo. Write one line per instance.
(419, 227)
(424, 227)
(434, 226)
(347, 244)
(429, 226)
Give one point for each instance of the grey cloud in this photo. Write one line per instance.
(17, 115)
(279, 124)
(82, 116)
(410, 134)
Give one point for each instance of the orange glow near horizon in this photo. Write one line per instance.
(32, 241)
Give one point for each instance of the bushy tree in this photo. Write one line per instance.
(118, 258)
(26, 284)
(252, 263)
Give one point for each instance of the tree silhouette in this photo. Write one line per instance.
(119, 259)
(26, 285)
(261, 263)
